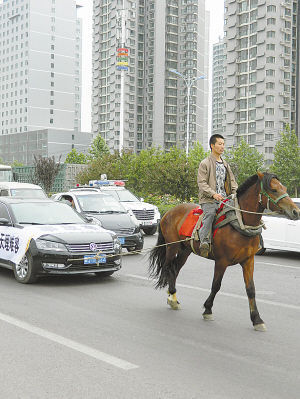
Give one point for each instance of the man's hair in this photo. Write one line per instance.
(213, 139)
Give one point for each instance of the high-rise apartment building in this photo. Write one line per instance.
(217, 87)
(160, 35)
(260, 71)
(40, 65)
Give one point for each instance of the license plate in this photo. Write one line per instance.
(122, 240)
(88, 260)
(147, 222)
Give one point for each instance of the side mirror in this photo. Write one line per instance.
(4, 221)
(142, 199)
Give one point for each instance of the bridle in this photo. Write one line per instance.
(275, 202)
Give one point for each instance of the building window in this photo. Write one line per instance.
(51, 120)
(269, 124)
(271, 21)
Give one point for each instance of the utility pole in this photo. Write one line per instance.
(122, 65)
(189, 81)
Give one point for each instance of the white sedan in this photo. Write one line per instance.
(281, 233)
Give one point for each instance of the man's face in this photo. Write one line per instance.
(218, 147)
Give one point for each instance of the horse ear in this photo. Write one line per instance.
(260, 175)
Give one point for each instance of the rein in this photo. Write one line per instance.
(263, 192)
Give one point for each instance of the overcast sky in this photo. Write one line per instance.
(216, 8)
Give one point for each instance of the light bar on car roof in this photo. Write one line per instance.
(95, 183)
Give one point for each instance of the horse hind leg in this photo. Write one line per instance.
(177, 263)
(216, 285)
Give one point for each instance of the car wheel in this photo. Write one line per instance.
(136, 248)
(261, 249)
(149, 231)
(24, 271)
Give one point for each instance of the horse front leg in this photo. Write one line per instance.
(248, 269)
(216, 285)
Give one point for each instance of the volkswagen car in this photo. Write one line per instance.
(43, 237)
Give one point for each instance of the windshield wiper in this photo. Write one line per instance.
(92, 211)
(31, 223)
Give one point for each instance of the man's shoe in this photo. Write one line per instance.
(204, 249)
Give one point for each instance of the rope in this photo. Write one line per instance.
(139, 251)
(242, 210)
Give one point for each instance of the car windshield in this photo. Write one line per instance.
(124, 196)
(100, 203)
(27, 193)
(45, 213)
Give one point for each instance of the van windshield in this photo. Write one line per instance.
(27, 193)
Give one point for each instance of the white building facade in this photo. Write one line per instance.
(160, 35)
(260, 83)
(40, 66)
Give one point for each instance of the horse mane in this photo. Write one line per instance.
(250, 181)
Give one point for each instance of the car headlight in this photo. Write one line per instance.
(50, 245)
(134, 219)
(117, 245)
(157, 212)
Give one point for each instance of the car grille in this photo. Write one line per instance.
(104, 247)
(142, 214)
(124, 231)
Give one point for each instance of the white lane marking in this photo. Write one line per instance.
(227, 294)
(87, 350)
(278, 265)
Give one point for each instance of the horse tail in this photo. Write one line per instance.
(157, 259)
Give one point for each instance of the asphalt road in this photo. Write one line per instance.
(80, 337)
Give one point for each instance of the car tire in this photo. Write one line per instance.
(136, 248)
(25, 271)
(149, 231)
(261, 249)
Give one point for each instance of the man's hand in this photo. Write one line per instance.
(218, 197)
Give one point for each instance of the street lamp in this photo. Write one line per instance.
(189, 81)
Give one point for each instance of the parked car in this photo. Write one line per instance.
(281, 233)
(41, 237)
(112, 215)
(22, 190)
(147, 214)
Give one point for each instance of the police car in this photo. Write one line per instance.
(40, 237)
(148, 215)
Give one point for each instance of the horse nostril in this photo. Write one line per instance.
(296, 213)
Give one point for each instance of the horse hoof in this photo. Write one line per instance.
(208, 317)
(173, 304)
(260, 327)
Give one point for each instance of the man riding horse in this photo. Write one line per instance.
(216, 181)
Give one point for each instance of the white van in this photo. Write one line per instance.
(21, 190)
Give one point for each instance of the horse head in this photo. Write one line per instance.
(274, 196)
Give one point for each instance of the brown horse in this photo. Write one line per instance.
(229, 247)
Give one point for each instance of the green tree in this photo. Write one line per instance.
(98, 148)
(151, 172)
(16, 164)
(46, 170)
(244, 161)
(286, 163)
(76, 157)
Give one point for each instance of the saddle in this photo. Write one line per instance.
(225, 215)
